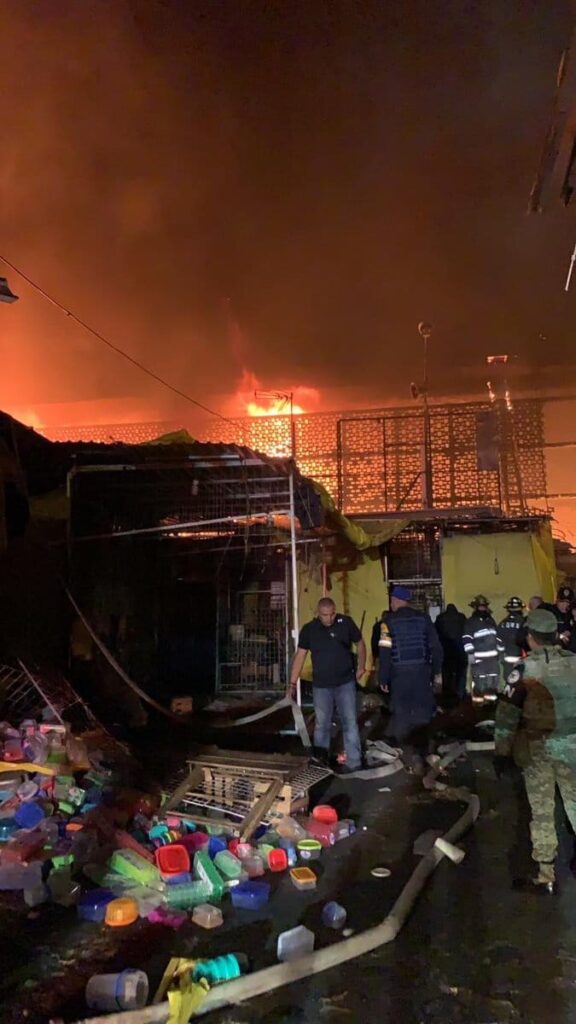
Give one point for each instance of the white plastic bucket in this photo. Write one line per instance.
(125, 991)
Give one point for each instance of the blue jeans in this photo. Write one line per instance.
(344, 697)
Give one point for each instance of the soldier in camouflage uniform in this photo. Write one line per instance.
(536, 727)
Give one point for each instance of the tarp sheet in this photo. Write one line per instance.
(498, 565)
(361, 539)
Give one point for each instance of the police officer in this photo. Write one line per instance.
(511, 634)
(483, 647)
(536, 728)
(409, 662)
(564, 602)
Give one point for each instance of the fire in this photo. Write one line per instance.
(276, 407)
(252, 399)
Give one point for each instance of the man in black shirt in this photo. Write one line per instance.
(329, 638)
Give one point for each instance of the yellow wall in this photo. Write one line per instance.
(497, 565)
(357, 592)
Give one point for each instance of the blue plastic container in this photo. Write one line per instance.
(183, 878)
(92, 905)
(333, 915)
(250, 895)
(216, 845)
(291, 851)
(7, 827)
(29, 815)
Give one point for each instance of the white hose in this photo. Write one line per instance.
(251, 985)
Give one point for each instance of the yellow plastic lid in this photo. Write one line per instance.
(121, 912)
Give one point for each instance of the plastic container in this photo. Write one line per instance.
(23, 847)
(27, 791)
(250, 895)
(333, 915)
(207, 916)
(36, 895)
(221, 968)
(295, 943)
(182, 897)
(29, 815)
(7, 827)
(289, 828)
(9, 782)
(309, 849)
(124, 841)
(278, 860)
(253, 866)
(121, 912)
(291, 852)
(228, 865)
(206, 871)
(303, 878)
(146, 899)
(183, 878)
(131, 865)
(194, 841)
(13, 750)
(343, 829)
(244, 850)
(63, 890)
(168, 916)
(320, 831)
(125, 991)
(233, 845)
(216, 845)
(172, 860)
(325, 814)
(20, 876)
(92, 905)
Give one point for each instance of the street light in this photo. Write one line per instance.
(5, 294)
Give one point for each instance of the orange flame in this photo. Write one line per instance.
(251, 399)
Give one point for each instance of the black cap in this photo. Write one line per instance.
(565, 594)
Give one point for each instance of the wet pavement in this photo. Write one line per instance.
(473, 950)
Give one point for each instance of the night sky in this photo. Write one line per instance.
(285, 187)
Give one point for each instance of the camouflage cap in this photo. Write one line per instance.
(541, 621)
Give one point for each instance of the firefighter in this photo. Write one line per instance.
(409, 664)
(511, 632)
(483, 647)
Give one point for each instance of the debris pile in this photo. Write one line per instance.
(69, 834)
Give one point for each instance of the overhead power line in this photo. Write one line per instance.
(115, 348)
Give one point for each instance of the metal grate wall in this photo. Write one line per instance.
(253, 644)
(372, 461)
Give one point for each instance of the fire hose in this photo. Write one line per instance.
(269, 978)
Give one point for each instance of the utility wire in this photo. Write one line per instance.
(115, 348)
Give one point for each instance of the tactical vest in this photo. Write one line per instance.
(406, 635)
